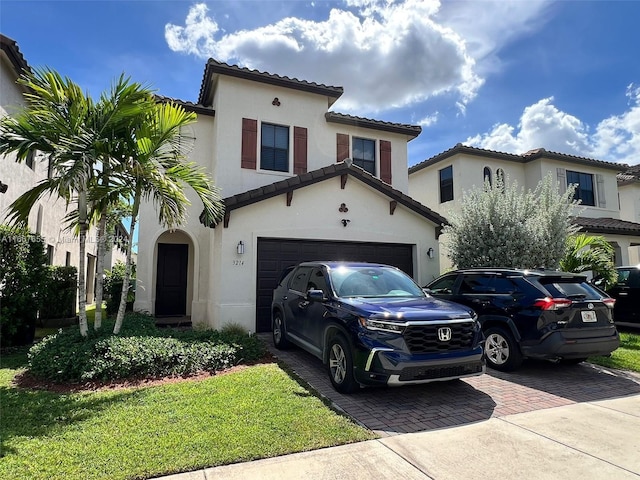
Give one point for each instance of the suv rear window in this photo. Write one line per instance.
(566, 288)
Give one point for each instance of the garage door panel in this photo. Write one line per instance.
(274, 255)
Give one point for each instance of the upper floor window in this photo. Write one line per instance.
(486, 176)
(364, 154)
(274, 151)
(584, 187)
(446, 184)
(30, 160)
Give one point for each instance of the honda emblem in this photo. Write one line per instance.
(444, 334)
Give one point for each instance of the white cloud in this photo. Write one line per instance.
(429, 120)
(385, 54)
(614, 139)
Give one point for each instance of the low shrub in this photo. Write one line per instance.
(140, 351)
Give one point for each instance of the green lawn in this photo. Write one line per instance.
(137, 433)
(626, 357)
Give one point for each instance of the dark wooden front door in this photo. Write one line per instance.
(171, 283)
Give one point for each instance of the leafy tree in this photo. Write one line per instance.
(501, 225)
(590, 253)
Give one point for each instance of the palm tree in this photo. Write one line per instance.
(53, 122)
(153, 169)
(81, 139)
(590, 253)
(114, 118)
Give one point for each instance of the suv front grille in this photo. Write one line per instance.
(424, 338)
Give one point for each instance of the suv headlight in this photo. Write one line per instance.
(382, 326)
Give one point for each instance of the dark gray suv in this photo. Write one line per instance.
(531, 313)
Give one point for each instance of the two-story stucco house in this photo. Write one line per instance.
(609, 206)
(299, 183)
(47, 217)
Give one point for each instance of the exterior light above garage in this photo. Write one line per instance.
(240, 248)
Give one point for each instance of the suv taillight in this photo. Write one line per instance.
(609, 302)
(552, 303)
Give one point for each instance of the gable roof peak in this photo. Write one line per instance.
(10, 47)
(216, 67)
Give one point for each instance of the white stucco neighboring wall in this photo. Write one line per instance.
(629, 195)
(46, 218)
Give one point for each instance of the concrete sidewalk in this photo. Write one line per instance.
(591, 440)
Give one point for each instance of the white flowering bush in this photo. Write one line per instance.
(501, 225)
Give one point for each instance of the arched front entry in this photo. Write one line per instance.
(174, 271)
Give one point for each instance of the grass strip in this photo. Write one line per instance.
(254, 413)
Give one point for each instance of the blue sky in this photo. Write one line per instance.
(503, 75)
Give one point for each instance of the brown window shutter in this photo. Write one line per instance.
(299, 150)
(385, 161)
(249, 143)
(342, 147)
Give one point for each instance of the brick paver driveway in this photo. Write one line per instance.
(390, 411)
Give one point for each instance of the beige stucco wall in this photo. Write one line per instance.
(313, 214)
(224, 282)
(237, 99)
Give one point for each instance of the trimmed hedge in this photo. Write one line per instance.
(140, 351)
(60, 294)
(22, 276)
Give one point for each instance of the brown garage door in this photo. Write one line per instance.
(275, 254)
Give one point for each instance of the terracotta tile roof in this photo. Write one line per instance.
(11, 49)
(215, 67)
(632, 175)
(335, 170)
(607, 225)
(189, 106)
(411, 130)
(523, 158)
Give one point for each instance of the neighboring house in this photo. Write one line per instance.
(47, 218)
(300, 183)
(629, 192)
(607, 209)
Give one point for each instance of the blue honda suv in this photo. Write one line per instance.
(371, 324)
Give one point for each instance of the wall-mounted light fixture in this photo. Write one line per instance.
(240, 248)
(431, 253)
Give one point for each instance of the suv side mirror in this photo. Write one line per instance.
(315, 295)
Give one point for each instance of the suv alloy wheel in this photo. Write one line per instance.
(501, 350)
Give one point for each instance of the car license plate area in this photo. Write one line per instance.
(589, 316)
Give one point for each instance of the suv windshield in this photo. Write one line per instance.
(373, 282)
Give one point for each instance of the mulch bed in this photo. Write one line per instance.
(28, 381)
